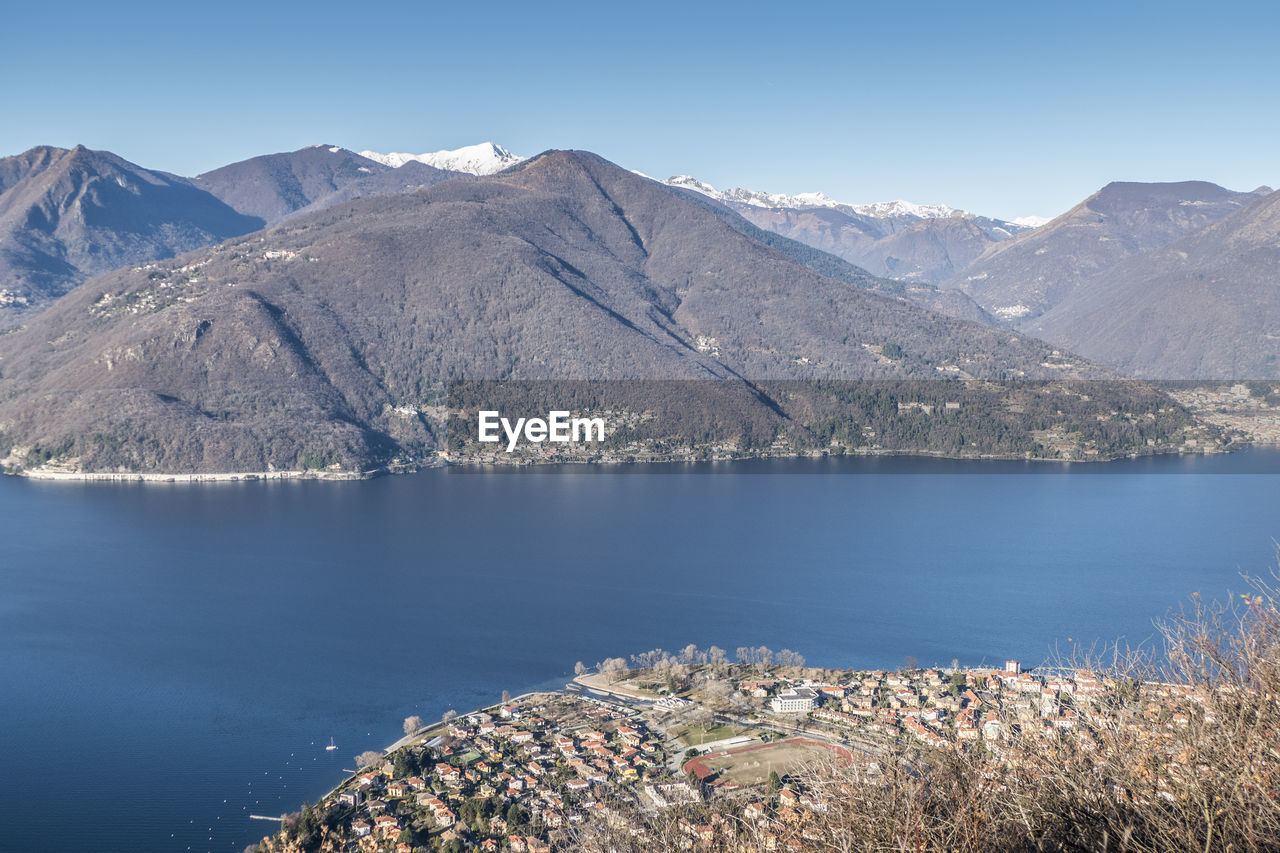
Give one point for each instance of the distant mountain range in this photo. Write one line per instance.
(1164, 281)
(1206, 305)
(803, 201)
(1172, 281)
(897, 239)
(913, 244)
(483, 159)
(382, 279)
(67, 215)
(276, 186)
(328, 338)
(1023, 278)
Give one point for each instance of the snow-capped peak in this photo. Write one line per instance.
(758, 198)
(1030, 221)
(884, 209)
(689, 182)
(483, 159)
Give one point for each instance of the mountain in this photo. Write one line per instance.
(804, 201)
(1020, 279)
(67, 215)
(274, 186)
(331, 338)
(483, 159)
(896, 239)
(950, 302)
(1207, 305)
(403, 179)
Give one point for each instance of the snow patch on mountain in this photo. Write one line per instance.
(1030, 221)
(483, 159)
(759, 198)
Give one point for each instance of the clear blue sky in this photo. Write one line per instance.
(1003, 108)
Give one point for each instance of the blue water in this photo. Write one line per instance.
(174, 658)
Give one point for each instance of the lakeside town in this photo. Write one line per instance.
(724, 752)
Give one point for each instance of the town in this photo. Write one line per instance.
(674, 734)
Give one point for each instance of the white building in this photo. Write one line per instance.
(797, 700)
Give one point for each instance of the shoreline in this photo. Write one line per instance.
(219, 477)
(409, 739)
(55, 475)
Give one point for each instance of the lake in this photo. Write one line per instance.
(174, 658)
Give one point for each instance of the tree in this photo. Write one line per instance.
(649, 659)
(413, 724)
(506, 696)
(775, 782)
(579, 668)
(703, 719)
(716, 657)
(910, 662)
(448, 716)
(788, 658)
(368, 758)
(306, 827)
(689, 654)
(613, 669)
(715, 695)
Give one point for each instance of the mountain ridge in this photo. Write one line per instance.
(1020, 279)
(1205, 306)
(912, 242)
(277, 186)
(484, 158)
(69, 214)
(325, 340)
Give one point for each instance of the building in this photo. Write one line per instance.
(797, 700)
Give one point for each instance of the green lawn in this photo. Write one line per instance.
(694, 736)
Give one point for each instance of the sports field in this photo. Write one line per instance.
(751, 765)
